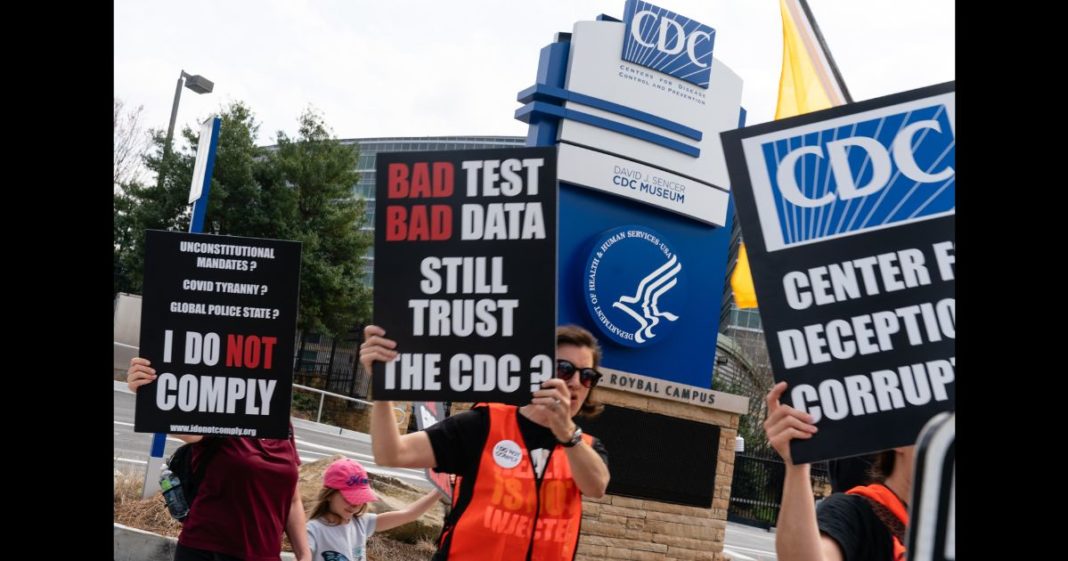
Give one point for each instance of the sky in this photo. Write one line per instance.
(434, 67)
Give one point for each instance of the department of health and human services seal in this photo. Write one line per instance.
(634, 286)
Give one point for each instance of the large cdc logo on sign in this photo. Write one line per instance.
(668, 43)
(635, 289)
(888, 171)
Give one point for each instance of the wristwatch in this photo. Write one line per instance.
(576, 437)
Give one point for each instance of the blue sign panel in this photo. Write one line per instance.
(668, 43)
(644, 277)
(681, 351)
(859, 176)
(635, 285)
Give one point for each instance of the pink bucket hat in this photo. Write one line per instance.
(349, 477)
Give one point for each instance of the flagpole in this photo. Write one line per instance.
(826, 51)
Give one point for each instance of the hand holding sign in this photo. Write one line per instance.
(554, 398)
(139, 374)
(376, 347)
(784, 423)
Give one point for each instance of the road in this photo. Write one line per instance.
(746, 543)
(131, 449)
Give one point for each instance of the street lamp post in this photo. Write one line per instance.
(198, 84)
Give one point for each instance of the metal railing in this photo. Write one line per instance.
(340, 378)
(756, 487)
(324, 393)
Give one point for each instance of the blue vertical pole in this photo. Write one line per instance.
(196, 225)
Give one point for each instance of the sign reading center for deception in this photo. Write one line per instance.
(848, 216)
(465, 273)
(218, 318)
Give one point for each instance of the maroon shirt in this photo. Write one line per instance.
(243, 502)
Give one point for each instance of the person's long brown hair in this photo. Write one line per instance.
(883, 466)
(321, 507)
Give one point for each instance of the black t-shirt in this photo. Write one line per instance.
(850, 521)
(458, 440)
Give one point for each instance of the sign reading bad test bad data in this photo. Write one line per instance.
(218, 319)
(848, 216)
(465, 273)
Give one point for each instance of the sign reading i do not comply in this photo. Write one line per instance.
(465, 273)
(218, 318)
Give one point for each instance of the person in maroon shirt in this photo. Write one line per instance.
(248, 495)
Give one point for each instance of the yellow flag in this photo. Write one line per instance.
(808, 83)
(742, 281)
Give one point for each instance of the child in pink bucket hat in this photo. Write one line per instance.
(339, 523)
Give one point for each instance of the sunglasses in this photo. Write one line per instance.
(565, 369)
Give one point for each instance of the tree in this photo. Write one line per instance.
(246, 198)
(300, 190)
(166, 207)
(750, 376)
(750, 425)
(130, 144)
(124, 230)
(321, 172)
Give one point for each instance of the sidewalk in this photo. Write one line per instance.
(132, 544)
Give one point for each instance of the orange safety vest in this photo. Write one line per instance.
(509, 514)
(880, 494)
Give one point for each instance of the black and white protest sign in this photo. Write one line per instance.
(465, 273)
(848, 217)
(218, 319)
(932, 509)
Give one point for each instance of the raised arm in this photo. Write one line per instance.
(389, 447)
(390, 520)
(797, 535)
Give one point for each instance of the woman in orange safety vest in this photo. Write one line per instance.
(521, 471)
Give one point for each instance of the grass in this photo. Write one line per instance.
(146, 514)
(411, 542)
